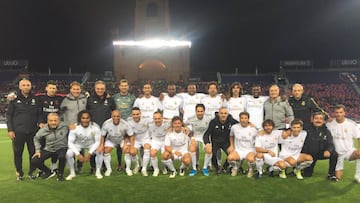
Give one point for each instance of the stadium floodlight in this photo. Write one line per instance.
(153, 43)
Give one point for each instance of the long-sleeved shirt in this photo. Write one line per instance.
(71, 106)
(84, 138)
(100, 108)
(55, 139)
(219, 132)
(318, 140)
(278, 110)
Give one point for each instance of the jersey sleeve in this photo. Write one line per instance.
(167, 140)
(71, 141)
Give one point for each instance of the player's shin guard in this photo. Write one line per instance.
(107, 160)
(207, 160)
(154, 163)
(99, 158)
(259, 164)
(303, 165)
(146, 158)
(169, 163)
(193, 160)
(127, 158)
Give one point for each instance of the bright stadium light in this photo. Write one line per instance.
(153, 43)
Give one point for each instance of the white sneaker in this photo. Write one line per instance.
(250, 174)
(136, 170)
(298, 174)
(234, 172)
(357, 180)
(108, 172)
(282, 174)
(98, 175)
(172, 174)
(129, 172)
(70, 177)
(164, 171)
(144, 172)
(182, 172)
(156, 172)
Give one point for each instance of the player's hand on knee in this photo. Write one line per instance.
(271, 153)
(326, 154)
(36, 155)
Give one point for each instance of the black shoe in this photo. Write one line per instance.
(78, 170)
(31, 177)
(92, 171)
(151, 169)
(258, 176)
(49, 175)
(119, 168)
(56, 171)
(39, 174)
(60, 177)
(270, 173)
(333, 178)
(241, 170)
(218, 171)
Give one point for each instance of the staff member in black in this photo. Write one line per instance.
(100, 105)
(319, 143)
(218, 134)
(22, 122)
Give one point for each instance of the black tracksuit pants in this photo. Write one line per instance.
(18, 148)
(40, 162)
(332, 163)
(215, 147)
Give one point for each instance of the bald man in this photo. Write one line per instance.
(23, 116)
(303, 106)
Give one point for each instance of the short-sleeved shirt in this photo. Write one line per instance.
(116, 133)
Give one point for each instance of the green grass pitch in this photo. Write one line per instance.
(223, 188)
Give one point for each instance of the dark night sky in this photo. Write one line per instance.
(232, 34)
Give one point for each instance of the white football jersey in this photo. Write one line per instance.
(84, 138)
(235, 106)
(189, 102)
(148, 106)
(343, 135)
(212, 104)
(244, 137)
(292, 146)
(177, 141)
(116, 133)
(171, 106)
(140, 129)
(198, 127)
(269, 141)
(255, 108)
(157, 133)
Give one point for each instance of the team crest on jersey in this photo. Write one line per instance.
(95, 102)
(303, 103)
(33, 102)
(302, 140)
(106, 102)
(92, 134)
(345, 130)
(216, 127)
(18, 101)
(51, 103)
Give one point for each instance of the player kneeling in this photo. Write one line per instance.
(291, 146)
(242, 144)
(176, 148)
(267, 150)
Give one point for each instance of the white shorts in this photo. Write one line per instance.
(158, 145)
(109, 143)
(294, 156)
(198, 139)
(140, 143)
(243, 154)
(341, 158)
(183, 152)
(269, 160)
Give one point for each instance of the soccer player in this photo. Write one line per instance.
(267, 150)
(199, 124)
(189, 101)
(212, 102)
(113, 133)
(86, 135)
(255, 106)
(124, 102)
(157, 131)
(218, 134)
(277, 109)
(242, 144)
(171, 103)
(344, 132)
(139, 126)
(148, 104)
(176, 147)
(55, 134)
(22, 119)
(303, 106)
(319, 144)
(236, 103)
(291, 146)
